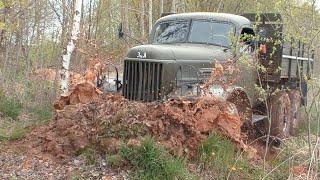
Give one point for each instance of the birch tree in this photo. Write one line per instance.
(150, 15)
(173, 6)
(66, 57)
(142, 19)
(161, 7)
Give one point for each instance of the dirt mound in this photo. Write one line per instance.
(84, 92)
(180, 125)
(86, 117)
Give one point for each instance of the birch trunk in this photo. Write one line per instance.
(66, 57)
(142, 19)
(161, 7)
(150, 16)
(173, 6)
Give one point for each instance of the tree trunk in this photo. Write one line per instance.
(90, 20)
(126, 20)
(142, 19)
(66, 57)
(173, 6)
(161, 7)
(150, 15)
(124, 15)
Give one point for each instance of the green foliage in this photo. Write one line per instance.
(41, 113)
(304, 127)
(217, 151)
(152, 161)
(18, 131)
(12, 130)
(115, 160)
(10, 107)
(218, 154)
(90, 155)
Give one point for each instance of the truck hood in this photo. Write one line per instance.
(183, 51)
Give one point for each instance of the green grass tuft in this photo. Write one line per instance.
(115, 160)
(219, 154)
(12, 131)
(152, 161)
(90, 155)
(10, 107)
(41, 114)
(217, 151)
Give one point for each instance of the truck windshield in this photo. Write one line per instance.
(201, 31)
(171, 32)
(216, 33)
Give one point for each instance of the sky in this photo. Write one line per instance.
(318, 3)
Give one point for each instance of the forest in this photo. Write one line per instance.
(61, 119)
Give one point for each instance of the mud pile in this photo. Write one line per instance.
(87, 117)
(180, 125)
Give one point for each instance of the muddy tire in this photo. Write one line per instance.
(295, 99)
(242, 102)
(280, 115)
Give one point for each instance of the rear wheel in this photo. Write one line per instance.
(295, 99)
(280, 115)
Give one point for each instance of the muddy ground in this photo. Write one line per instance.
(85, 118)
(106, 120)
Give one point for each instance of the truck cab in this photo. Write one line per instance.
(181, 48)
(184, 48)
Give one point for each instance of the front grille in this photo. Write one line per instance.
(142, 80)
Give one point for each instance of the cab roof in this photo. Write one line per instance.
(237, 20)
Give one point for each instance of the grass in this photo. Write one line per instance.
(115, 160)
(12, 128)
(10, 107)
(304, 126)
(152, 161)
(219, 155)
(90, 155)
(41, 114)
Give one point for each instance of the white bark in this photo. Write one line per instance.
(150, 16)
(142, 19)
(66, 57)
(173, 6)
(126, 20)
(161, 7)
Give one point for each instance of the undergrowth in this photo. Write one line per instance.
(152, 161)
(220, 156)
(10, 107)
(90, 155)
(18, 118)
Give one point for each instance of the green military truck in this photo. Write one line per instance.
(183, 49)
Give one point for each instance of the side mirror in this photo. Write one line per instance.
(120, 31)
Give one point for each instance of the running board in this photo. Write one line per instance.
(257, 118)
